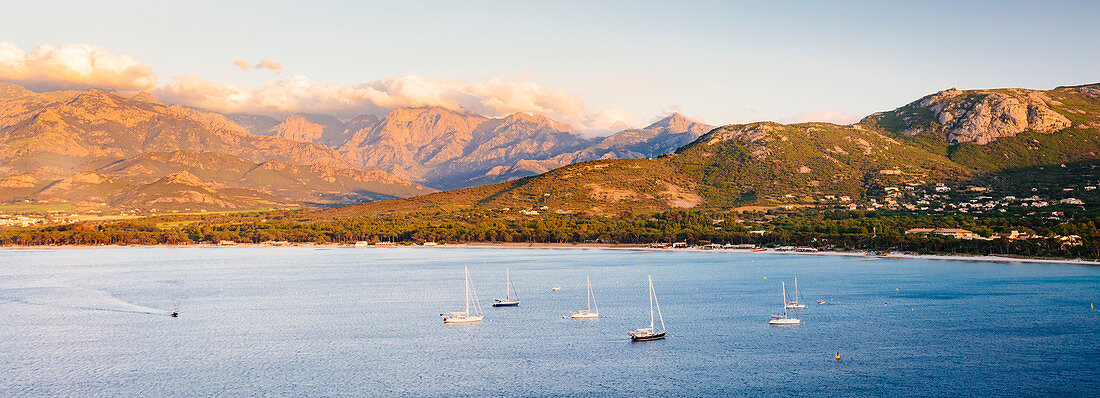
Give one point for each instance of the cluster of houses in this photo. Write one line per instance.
(22, 220)
(19, 221)
(956, 233)
(959, 233)
(939, 198)
(531, 211)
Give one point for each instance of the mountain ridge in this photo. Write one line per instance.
(949, 136)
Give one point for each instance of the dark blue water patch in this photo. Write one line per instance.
(353, 322)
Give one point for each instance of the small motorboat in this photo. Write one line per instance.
(175, 314)
(759, 250)
(555, 289)
(820, 302)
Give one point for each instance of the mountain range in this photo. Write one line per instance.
(950, 136)
(451, 149)
(102, 150)
(54, 146)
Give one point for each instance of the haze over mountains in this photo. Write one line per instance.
(57, 146)
(450, 149)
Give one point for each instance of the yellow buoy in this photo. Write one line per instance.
(896, 289)
(837, 355)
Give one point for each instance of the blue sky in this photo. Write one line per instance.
(724, 62)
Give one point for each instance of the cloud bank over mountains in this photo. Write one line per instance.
(297, 93)
(81, 66)
(73, 66)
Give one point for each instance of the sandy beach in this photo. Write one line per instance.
(861, 255)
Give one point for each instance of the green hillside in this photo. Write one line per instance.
(957, 138)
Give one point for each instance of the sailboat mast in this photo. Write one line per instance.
(467, 290)
(658, 303)
(784, 284)
(588, 282)
(650, 301)
(507, 283)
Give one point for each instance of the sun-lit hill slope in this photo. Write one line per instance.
(997, 129)
(182, 191)
(603, 187)
(775, 163)
(55, 133)
(318, 184)
(948, 136)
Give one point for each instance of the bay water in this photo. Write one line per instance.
(321, 321)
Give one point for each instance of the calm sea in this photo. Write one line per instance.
(302, 321)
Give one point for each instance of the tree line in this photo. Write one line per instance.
(837, 230)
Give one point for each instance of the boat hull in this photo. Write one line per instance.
(785, 322)
(505, 303)
(796, 306)
(584, 315)
(647, 337)
(469, 319)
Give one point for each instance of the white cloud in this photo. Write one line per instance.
(669, 110)
(73, 66)
(263, 64)
(78, 66)
(822, 115)
(269, 64)
(297, 93)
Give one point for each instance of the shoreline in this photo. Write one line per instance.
(594, 246)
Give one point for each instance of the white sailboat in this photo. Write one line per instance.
(794, 304)
(591, 311)
(784, 320)
(651, 332)
(465, 316)
(507, 301)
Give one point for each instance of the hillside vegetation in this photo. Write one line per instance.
(950, 137)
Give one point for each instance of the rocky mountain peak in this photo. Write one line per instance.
(978, 116)
(982, 116)
(678, 124)
(673, 121)
(305, 127)
(538, 121)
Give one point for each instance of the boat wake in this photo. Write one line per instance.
(75, 298)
